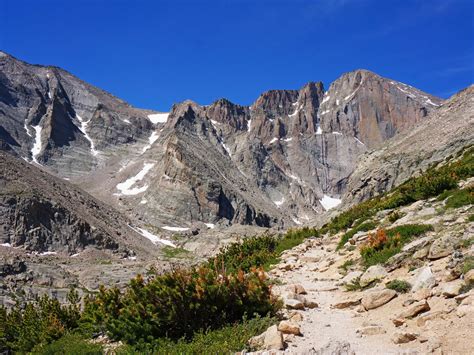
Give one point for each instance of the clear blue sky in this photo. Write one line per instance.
(155, 53)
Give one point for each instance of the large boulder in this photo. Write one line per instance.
(271, 339)
(289, 328)
(377, 298)
(415, 309)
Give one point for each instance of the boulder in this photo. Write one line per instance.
(350, 302)
(377, 298)
(424, 279)
(271, 339)
(469, 276)
(452, 289)
(421, 254)
(398, 322)
(440, 248)
(415, 309)
(295, 317)
(294, 304)
(373, 273)
(421, 321)
(421, 294)
(289, 328)
(335, 347)
(403, 337)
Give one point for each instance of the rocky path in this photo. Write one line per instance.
(322, 317)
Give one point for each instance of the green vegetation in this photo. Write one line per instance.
(399, 286)
(259, 251)
(40, 323)
(468, 264)
(347, 264)
(460, 198)
(431, 183)
(175, 253)
(227, 340)
(383, 244)
(364, 227)
(354, 285)
(69, 344)
(471, 218)
(395, 216)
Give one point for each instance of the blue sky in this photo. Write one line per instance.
(155, 53)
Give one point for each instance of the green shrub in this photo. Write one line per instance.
(69, 344)
(382, 245)
(471, 218)
(401, 286)
(178, 304)
(468, 264)
(258, 251)
(347, 264)
(460, 198)
(431, 183)
(228, 340)
(39, 322)
(395, 216)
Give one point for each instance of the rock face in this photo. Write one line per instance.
(445, 132)
(281, 161)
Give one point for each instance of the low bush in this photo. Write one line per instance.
(401, 286)
(460, 198)
(258, 251)
(347, 264)
(383, 244)
(228, 340)
(39, 322)
(178, 304)
(69, 344)
(395, 216)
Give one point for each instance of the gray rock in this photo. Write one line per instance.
(423, 279)
(441, 247)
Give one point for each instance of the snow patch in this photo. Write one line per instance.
(429, 102)
(337, 102)
(47, 253)
(249, 125)
(159, 117)
(125, 187)
(8, 245)
(319, 130)
(27, 130)
(274, 139)
(288, 139)
(152, 139)
(143, 201)
(83, 129)
(38, 144)
(210, 225)
(226, 149)
(153, 238)
(329, 202)
(358, 140)
(337, 133)
(280, 202)
(324, 112)
(326, 98)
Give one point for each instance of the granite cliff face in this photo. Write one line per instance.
(279, 162)
(444, 133)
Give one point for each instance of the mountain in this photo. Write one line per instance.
(442, 135)
(282, 161)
